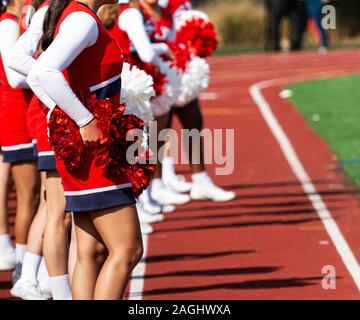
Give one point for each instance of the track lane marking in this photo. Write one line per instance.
(298, 169)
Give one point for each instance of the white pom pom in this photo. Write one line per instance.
(136, 92)
(162, 104)
(195, 79)
(189, 15)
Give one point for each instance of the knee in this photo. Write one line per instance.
(127, 259)
(58, 219)
(95, 254)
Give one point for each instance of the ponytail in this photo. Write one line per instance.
(53, 14)
(37, 3)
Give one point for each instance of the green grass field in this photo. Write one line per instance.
(332, 107)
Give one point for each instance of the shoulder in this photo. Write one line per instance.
(79, 20)
(7, 23)
(131, 13)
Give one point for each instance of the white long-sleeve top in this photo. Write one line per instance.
(22, 53)
(9, 33)
(132, 22)
(46, 78)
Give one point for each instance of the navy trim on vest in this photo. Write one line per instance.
(109, 91)
(100, 200)
(22, 155)
(46, 163)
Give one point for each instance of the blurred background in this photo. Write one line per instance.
(243, 25)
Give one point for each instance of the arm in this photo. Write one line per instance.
(22, 53)
(9, 32)
(47, 75)
(131, 21)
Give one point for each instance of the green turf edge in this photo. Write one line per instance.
(332, 108)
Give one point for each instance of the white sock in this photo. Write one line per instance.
(42, 275)
(200, 177)
(60, 287)
(168, 167)
(30, 266)
(20, 250)
(5, 242)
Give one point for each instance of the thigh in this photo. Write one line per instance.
(54, 193)
(26, 178)
(119, 228)
(89, 241)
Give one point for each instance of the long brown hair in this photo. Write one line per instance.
(37, 3)
(53, 14)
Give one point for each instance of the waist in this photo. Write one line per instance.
(109, 88)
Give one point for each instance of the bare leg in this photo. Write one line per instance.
(162, 123)
(56, 244)
(26, 184)
(72, 251)
(91, 254)
(4, 189)
(124, 244)
(190, 117)
(36, 232)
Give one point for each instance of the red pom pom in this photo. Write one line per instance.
(199, 36)
(111, 156)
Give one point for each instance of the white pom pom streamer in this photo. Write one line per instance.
(136, 92)
(162, 104)
(195, 79)
(189, 15)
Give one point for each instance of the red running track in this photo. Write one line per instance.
(269, 243)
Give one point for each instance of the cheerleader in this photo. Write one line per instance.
(55, 241)
(190, 116)
(78, 69)
(158, 191)
(7, 250)
(16, 142)
(135, 30)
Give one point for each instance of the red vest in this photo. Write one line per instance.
(96, 64)
(7, 90)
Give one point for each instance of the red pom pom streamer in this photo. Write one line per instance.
(111, 156)
(199, 36)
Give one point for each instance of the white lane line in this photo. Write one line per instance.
(137, 276)
(288, 150)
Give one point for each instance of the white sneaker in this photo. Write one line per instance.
(146, 228)
(176, 183)
(7, 260)
(148, 217)
(147, 204)
(27, 290)
(207, 190)
(151, 206)
(168, 208)
(165, 196)
(45, 290)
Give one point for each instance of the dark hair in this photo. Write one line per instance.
(53, 14)
(3, 6)
(108, 15)
(37, 3)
